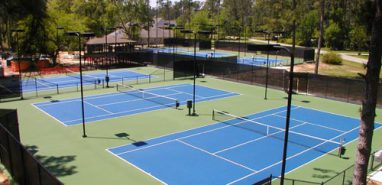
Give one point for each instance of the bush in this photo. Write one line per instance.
(332, 58)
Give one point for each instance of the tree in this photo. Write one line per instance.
(321, 35)
(358, 38)
(373, 69)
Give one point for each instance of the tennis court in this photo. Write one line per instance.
(190, 52)
(240, 150)
(261, 61)
(127, 101)
(72, 79)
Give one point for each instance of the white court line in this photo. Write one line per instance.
(140, 169)
(209, 153)
(184, 92)
(46, 113)
(333, 113)
(329, 128)
(167, 105)
(103, 115)
(188, 136)
(250, 141)
(293, 156)
(99, 96)
(134, 100)
(189, 129)
(136, 112)
(97, 107)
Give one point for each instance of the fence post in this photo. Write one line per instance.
(343, 178)
(9, 153)
(23, 164)
(35, 83)
(348, 92)
(372, 162)
(326, 88)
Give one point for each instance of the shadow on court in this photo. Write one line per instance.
(57, 165)
(121, 136)
(324, 174)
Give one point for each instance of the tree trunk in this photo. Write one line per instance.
(322, 18)
(370, 100)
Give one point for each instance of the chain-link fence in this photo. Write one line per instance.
(20, 163)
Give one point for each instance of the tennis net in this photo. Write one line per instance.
(43, 84)
(149, 96)
(297, 138)
(87, 78)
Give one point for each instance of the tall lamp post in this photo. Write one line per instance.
(58, 41)
(107, 78)
(290, 92)
(201, 32)
(17, 31)
(79, 35)
(267, 35)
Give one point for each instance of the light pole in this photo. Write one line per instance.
(57, 42)
(201, 32)
(269, 47)
(267, 35)
(290, 93)
(79, 35)
(107, 78)
(17, 31)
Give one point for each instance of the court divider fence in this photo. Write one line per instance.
(343, 89)
(343, 177)
(19, 162)
(10, 88)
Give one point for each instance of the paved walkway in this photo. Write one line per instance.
(344, 56)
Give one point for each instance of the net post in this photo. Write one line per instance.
(341, 149)
(35, 83)
(177, 104)
(213, 114)
(58, 91)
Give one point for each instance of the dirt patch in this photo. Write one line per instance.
(4, 179)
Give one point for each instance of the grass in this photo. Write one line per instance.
(348, 69)
(77, 160)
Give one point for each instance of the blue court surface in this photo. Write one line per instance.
(190, 52)
(240, 151)
(106, 106)
(261, 61)
(73, 80)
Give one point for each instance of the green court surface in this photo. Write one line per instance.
(77, 160)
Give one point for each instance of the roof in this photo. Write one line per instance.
(156, 31)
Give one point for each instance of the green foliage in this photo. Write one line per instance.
(334, 36)
(358, 38)
(306, 30)
(332, 58)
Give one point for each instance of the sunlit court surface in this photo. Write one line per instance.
(240, 150)
(190, 92)
(128, 101)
